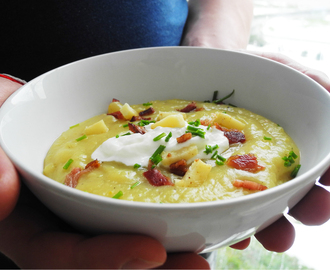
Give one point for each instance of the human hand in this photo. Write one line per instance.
(218, 24)
(280, 235)
(33, 237)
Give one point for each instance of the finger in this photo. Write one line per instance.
(42, 245)
(9, 186)
(242, 244)
(318, 76)
(7, 87)
(277, 237)
(185, 261)
(314, 208)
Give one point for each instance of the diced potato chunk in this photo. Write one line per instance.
(183, 153)
(228, 121)
(196, 175)
(114, 107)
(172, 121)
(162, 115)
(97, 128)
(128, 112)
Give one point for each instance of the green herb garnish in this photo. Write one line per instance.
(168, 137)
(156, 156)
(125, 125)
(81, 138)
(118, 195)
(143, 123)
(159, 137)
(196, 131)
(125, 134)
(195, 123)
(136, 166)
(74, 126)
(67, 164)
(135, 184)
(147, 104)
(295, 171)
(267, 138)
(219, 101)
(289, 160)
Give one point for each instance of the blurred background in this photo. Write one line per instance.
(299, 29)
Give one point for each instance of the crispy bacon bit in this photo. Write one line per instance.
(72, 178)
(136, 129)
(156, 178)
(246, 162)
(115, 100)
(117, 115)
(249, 185)
(139, 118)
(206, 122)
(183, 138)
(233, 135)
(179, 168)
(190, 107)
(148, 111)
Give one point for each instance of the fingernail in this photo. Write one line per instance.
(140, 264)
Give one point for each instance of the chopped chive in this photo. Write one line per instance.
(147, 104)
(295, 171)
(195, 123)
(214, 156)
(209, 126)
(135, 184)
(208, 149)
(159, 137)
(196, 131)
(168, 137)
(218, 101)
(81, 138)
(136, 166)
(156, 156)
(219, 162)
(125, 125)
(117, 136)
(67, 164)
(289, 160)
(215, 147)
(221, 158)
(74, 126)
(145, 122)
(118, 195)
(127, 133)
(267, 138)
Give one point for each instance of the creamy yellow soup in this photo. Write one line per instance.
(208, 174)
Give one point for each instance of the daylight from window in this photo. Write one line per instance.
(300, 30)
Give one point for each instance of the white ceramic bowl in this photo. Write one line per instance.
(36, 115)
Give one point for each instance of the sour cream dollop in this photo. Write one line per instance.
(137, 148)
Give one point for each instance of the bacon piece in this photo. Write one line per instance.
(179, 168)
(247, 162)
(72, 178)
(183, 138)
(139, 118)
(156, 178)
(115, 100)
(117, 115)
(206, 122)
(190, 107)
(136, 129)
(148, 111)
(249, 185)
(233, 135)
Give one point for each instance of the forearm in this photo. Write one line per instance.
(222, 24)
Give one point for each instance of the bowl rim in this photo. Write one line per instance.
(63, 190)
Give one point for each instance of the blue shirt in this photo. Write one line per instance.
(39, 35)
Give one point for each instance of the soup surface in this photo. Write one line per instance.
(173, 151)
